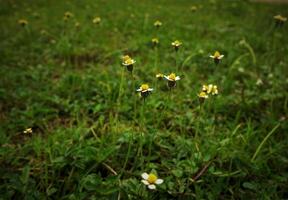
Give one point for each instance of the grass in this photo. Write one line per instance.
(93, 136)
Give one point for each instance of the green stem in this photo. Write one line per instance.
(263, 142)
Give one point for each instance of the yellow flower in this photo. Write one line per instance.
(151, 180)
(128, 62)
(157, 23)
(172, 78)
(210, 89)
(176, 44)
(155, 41)
(159, 76)
(280, 18)
(203, 95)
(23, 22)
(144, 88)
(124, 58)
(193, 8)
(96, 20)
(28, 131)
(67, 15)
(217, 57)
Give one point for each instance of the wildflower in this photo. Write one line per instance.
(23, 22)
(210, 89)
(96, 20)
(280, 20)
(159, 76)
(203, 95)
(193, 8)
(124, 58)
(172, 78)
(157, 24)
(155, 41)
(144, 90)
(28, 131)
(151, 180)
(67, 15)
(217, 57)
(176, 44)
(128, 62)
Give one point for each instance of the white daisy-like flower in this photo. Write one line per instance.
(128, 62)
(151, 180)
(144, 88)
(172, 77)
(217, 55)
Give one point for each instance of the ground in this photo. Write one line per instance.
(92, 135)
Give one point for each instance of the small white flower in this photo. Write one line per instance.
(172, 77)
(151, 180)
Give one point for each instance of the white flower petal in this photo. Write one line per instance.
(211, 56)
(220, 57)
(152, 187)
(159, 181)
(145, 176)
(167, 77)
(177, 78)
(145, 182)
(139, 90)
(150, 89)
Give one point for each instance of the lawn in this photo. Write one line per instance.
(146, 99)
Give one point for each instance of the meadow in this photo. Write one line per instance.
(146, 99)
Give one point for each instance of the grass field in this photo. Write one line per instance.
(93, 135)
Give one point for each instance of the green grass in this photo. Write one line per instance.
(93, 136)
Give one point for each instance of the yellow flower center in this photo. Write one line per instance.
(152, 178)
(203, 95)
(172, 76)
(126, 57)
(216, 54)
(144, 87)
(155, 40)
(129, 61)
(159, 75)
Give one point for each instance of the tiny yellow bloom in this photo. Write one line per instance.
(176, 43)
(155, 41)
(128, 62)
(172, 78)
(145, 88)
(210, 89)
(23, 22)
(159, 76)
(28, 131)
(280, 18)
(157, 23)
(203, 95)
(151, 180)
(217, 57)
(124, 58)
(67, 15)
(96, 20)
(193, 8)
